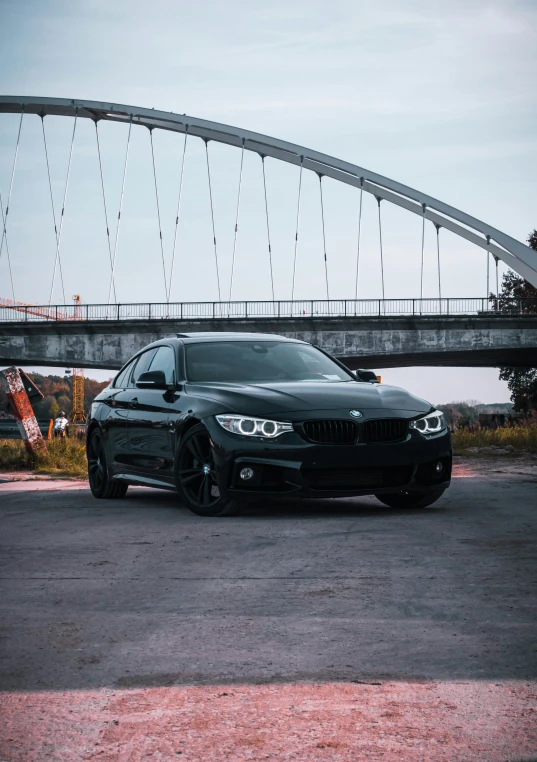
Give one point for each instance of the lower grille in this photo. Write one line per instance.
(384, 430)
(330, 432)
(358, 478)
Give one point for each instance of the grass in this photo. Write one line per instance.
(62, 457)
(521, 438)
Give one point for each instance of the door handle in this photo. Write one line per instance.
(133, 402)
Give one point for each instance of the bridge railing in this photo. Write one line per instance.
(307, 308)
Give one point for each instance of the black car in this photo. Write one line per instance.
(228, 418)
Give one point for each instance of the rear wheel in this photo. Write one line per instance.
(411, 499)
(196, 478)
(100, 485)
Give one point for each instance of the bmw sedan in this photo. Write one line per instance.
(225, 419)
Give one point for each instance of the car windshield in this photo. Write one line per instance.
(258, 361)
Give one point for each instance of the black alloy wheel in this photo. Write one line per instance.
(196, 477)
(411, 499)
(101, 486)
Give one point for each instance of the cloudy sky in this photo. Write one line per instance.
(440, 96)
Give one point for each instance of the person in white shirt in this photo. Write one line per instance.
(61, 425)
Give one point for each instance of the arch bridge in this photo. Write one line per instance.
(416, 331)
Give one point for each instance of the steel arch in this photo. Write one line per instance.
(515, 254)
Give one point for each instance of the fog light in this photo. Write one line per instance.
(438, 467)
(246, 473)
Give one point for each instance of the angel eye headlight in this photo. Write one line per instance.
(253, 427)
(433, 423)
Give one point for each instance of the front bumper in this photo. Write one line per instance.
(292, 467)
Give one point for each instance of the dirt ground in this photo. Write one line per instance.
(340, 631)
(393, 722)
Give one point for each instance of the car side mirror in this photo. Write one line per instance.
(152, 379)
(366, 375)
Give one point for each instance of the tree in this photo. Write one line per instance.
(58, 395)
(64, 403)
(54, 408)
(521, 382)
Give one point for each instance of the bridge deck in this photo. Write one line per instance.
(487, 340)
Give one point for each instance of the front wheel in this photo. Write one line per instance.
(411, 499)
(195, 476)
(101, 485)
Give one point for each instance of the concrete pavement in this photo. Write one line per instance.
(337, 630)
(140, 592)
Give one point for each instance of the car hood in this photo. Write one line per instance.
(288, 397)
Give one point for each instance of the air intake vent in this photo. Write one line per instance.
(384, 430)
(358, 478)
(331, 432)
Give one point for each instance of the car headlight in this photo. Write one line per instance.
(432, 423)
(253, 427)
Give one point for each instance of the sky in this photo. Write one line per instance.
(439, 96)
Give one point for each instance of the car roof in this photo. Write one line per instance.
(201, 336)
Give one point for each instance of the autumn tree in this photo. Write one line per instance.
(521, 382)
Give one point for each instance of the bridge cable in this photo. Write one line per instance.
(4, 216)
(62, 217)
(488, 266)
(359, 237)
(178, 213)
(423, 206)
(166, 294)
(497, 292)
(324, 236)
(51, 198)
(7, 249)
(114, 256)
(104, 203)
(268, 226)
(297, 225)
(438, 257)
(236, 223)
(212, 216)
(381, 251)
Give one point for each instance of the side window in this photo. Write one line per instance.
(121, 379)
(164, 360)
(144, 361)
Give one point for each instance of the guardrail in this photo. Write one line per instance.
(268, 310)
(9, 428)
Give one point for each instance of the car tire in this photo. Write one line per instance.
(101, 486)
(195, 476)
(411, 499)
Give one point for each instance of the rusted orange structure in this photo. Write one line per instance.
(49, 313)
(13, 383)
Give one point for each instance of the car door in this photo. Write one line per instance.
(114, 419)
(150, 444)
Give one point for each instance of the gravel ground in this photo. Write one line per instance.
(333, 630)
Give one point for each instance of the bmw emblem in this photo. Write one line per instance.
(355, 413)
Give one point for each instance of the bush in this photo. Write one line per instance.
(13, 455)
(520, 437)
(63, 457)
